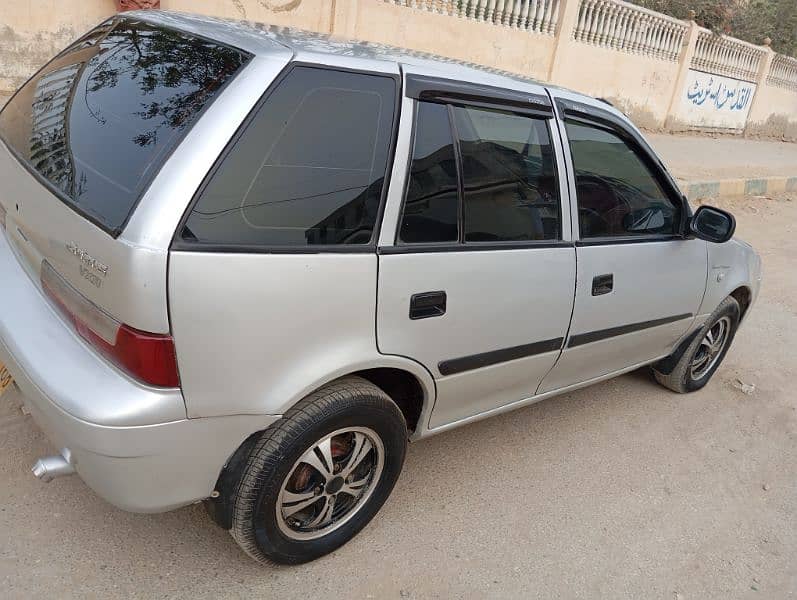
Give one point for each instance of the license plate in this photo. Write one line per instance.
(5, 379)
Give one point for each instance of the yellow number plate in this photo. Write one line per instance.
(5, 379)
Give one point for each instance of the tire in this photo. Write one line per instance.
(686, 376)
(358, 413)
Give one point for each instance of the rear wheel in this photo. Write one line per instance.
(320, 474)
(703, 356)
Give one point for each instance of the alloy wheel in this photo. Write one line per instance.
(330, 483)
(710, 348)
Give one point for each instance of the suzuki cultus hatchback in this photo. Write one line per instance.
(246, 265)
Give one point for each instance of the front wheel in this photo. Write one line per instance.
(320, 474)
(703, 356)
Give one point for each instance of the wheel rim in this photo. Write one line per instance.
(330, 483)
(710, 348)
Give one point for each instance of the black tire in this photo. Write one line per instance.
(348, 402)
(680, 379)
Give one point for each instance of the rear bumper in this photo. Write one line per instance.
(131, 444)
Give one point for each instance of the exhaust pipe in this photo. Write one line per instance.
(48, 468)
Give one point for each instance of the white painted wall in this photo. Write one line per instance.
(714, 101)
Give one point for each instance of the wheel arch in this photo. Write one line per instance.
(407, 383)
(744, 296)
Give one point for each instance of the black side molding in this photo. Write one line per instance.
(602, 334)
(485, 359)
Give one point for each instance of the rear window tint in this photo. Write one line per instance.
(100, 119)
(308, 170)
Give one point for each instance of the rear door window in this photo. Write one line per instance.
(480, 175)
(100, 119)
(509, 178)
(308, 170)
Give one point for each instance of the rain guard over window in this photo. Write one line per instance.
(100, 119)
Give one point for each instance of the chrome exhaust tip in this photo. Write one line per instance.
(48, 468)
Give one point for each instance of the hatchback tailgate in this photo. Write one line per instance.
(127, 281)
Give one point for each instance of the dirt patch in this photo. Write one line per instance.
(776, 126)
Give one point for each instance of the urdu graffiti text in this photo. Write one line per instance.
(720, 95)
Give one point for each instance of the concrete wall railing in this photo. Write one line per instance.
(727, 56)
(629, 28)
(663, 72)
(538, 16)
(783, 72)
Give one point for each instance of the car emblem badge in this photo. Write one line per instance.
(87, 261)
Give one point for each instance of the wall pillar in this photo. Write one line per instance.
(684, 62)
(761, 79)
(343, 21)
(124, 5)
(568, 18)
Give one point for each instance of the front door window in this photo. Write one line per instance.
(617, 193)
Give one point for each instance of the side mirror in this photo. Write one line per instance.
(712, 224)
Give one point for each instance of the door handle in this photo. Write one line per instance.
(427, 304)
(602, 284)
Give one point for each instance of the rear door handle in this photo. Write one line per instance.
(602, 284)
(427, 304)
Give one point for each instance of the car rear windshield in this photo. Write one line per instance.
(98, 121)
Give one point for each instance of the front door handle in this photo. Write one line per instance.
(427, 304)
(602, 284)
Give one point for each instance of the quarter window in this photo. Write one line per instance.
(308, 170)
(618, 195)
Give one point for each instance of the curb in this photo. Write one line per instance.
(757, 186)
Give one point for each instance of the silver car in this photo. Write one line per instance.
(245, 265)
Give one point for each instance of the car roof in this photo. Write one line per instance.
(304, 46)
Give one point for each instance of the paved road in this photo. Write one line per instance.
(622, 490)
(694, 157)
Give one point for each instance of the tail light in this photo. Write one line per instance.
(148, 357)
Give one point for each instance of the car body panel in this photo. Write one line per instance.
(277, 325)
(732, 265)
(653, 282)
(42, 227)
(35, 340)
(145, 468)
(494, 302)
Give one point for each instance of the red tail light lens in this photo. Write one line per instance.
(149, 357)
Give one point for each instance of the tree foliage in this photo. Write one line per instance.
(749, 20)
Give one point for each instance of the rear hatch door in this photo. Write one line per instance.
(81, 142)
